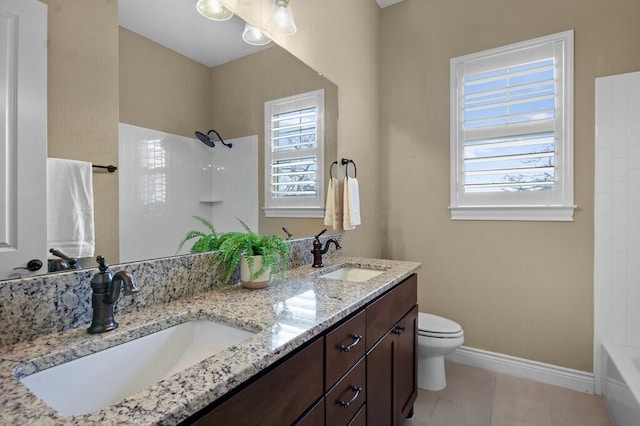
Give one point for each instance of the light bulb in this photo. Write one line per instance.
(213, 9)
(281, 21)
(254, 36)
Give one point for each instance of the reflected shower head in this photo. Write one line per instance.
(207, 140)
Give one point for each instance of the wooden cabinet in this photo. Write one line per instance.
(406, 364)
(360, 372)
(344, 347)
(392, 346)
(347, 396)
(279, 397)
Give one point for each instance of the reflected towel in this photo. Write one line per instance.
(70, 225)
(332, 210)
(351, 213)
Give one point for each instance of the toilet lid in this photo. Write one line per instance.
(433, 324)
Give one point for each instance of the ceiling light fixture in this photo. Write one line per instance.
(281, 20)
(213, 9)
(254, 36)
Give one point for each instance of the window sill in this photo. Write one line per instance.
(518, 213)
(312, 213)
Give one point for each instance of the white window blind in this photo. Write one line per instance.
(294, 146)
(511, 132)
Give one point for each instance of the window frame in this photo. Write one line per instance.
(307, 207)
(551, 205)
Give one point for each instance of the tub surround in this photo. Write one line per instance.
(270, 312)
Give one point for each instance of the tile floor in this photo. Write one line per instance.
(476, 397)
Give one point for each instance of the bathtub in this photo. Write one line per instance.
(622, 384)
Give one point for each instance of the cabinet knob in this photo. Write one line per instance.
(356, 393)
(398, 330)
(356, 339)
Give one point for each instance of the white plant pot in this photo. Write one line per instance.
(261, 281)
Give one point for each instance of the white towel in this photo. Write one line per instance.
(70, 225)
(351, 213)
(332, 212)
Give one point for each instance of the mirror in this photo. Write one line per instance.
(101, 74)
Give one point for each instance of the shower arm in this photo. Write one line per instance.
(228, 145)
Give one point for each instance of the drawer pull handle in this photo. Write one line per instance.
(398, 330)
(356, 340)
(356, 393)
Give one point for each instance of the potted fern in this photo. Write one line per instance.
(205, 242)
(256, 255)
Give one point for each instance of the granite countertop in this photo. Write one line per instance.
(271, 313)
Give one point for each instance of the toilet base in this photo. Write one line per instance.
(431, 373)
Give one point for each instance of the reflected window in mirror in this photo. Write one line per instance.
(294, 156)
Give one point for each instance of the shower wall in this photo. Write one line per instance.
(167, 179)
(617, 216)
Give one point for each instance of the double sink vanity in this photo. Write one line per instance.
(335, 345)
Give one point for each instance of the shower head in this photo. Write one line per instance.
(207, 140)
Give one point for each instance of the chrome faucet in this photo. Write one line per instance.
(318, 251)
(106, 288)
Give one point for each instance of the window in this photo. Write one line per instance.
(512, 132)
(294, 148)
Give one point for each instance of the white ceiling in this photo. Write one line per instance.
(385, 3)
(178, 26)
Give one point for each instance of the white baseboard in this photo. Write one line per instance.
(532, 370)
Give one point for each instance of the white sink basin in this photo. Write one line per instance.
(104, 378)
(352, 274)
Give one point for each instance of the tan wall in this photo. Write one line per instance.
(161, 89)
(520, 288)
(239, 90)
(83, 100)
(344, 47)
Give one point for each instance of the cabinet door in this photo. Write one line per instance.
(315, 416)
(406, 363)
(279, 397)
(381, 395)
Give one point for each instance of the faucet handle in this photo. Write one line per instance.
(102, 264)
(321, 232)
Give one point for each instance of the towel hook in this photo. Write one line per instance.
(333, 163)
(345, 162)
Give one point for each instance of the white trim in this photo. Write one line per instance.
(553, 205)
(532, 370)
(524, 213)
(307, 206)
(294, 212)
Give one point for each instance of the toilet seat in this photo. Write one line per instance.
(430, 325)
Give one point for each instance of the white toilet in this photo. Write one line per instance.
(437, 336)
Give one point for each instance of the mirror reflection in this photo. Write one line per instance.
(106, 74)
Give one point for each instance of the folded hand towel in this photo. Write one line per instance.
(332, 211)
(70, 225)
(351, 214)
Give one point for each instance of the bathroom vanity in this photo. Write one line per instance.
(360, 371)
(322, 351)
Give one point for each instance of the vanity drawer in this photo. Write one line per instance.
(347, 396)
(344, 347)
(386, 311)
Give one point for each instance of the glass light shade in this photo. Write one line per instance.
(254, 36)
(213, 9)
(281, 20)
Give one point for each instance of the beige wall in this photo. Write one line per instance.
(161, 89)
(83, 100)
(520, 288)
(344, 47)
(239, 90)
